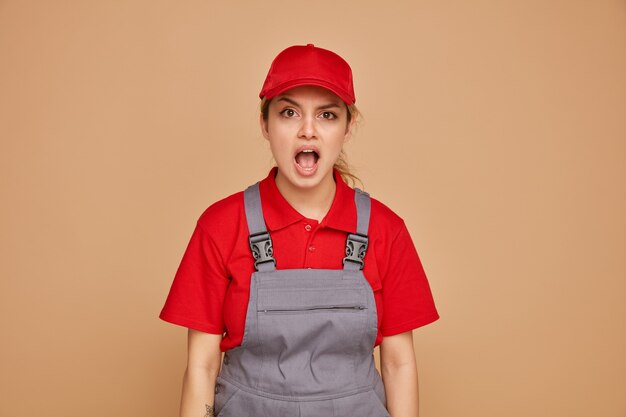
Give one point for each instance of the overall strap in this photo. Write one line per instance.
(356, 243)
(259, 238)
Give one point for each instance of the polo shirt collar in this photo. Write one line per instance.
(279, 213)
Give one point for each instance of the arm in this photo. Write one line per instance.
(203, 364)
(399, 372)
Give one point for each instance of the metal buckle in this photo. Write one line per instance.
(356, 246)
(261, 247)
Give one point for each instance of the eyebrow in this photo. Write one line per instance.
(295, 103)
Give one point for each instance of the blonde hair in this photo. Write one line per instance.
(341, 165)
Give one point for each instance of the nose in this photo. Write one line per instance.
(307, 128)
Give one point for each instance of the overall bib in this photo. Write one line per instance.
(307, 349)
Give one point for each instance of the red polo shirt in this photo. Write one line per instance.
(212, 285)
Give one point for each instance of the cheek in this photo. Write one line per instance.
(279, 144)
(278, 128)
(336, 136)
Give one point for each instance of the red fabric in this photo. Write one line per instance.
(309, 65)
(211, 288)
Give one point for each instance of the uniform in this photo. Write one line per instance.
(300, 316)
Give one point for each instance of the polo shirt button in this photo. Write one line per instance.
(226, 360)
(217, 388)
(311, 248)
(307, 227)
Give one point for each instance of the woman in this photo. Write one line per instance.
(299, 277)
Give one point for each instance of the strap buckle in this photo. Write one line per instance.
(356, 246)
(261, 247)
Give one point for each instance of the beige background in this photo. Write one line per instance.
(496, 129)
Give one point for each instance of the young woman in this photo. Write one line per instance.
(299, 277)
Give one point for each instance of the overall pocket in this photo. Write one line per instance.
(224, 393)
(312, 309)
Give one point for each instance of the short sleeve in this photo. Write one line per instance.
(196, 296)
(407, 299)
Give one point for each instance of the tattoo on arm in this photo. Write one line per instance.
(210, 411)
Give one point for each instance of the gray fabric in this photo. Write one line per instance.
(254, 210)
(308, 342)
(256, 223)
(362, 200)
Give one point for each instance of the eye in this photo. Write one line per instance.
(288, 112)
(329, 115)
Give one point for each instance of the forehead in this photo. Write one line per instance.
(311, 93)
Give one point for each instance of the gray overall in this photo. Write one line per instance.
(307, 349)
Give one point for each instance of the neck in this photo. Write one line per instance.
(312, 203)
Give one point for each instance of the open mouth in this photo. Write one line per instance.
(307, 159)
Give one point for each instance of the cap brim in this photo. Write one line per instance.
(343, 95)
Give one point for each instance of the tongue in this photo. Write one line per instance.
(305, 159)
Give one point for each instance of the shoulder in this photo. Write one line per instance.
(223, 215)
(384, 221)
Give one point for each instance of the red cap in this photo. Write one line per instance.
(309, 65)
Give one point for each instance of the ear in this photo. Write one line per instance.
(264, 127)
